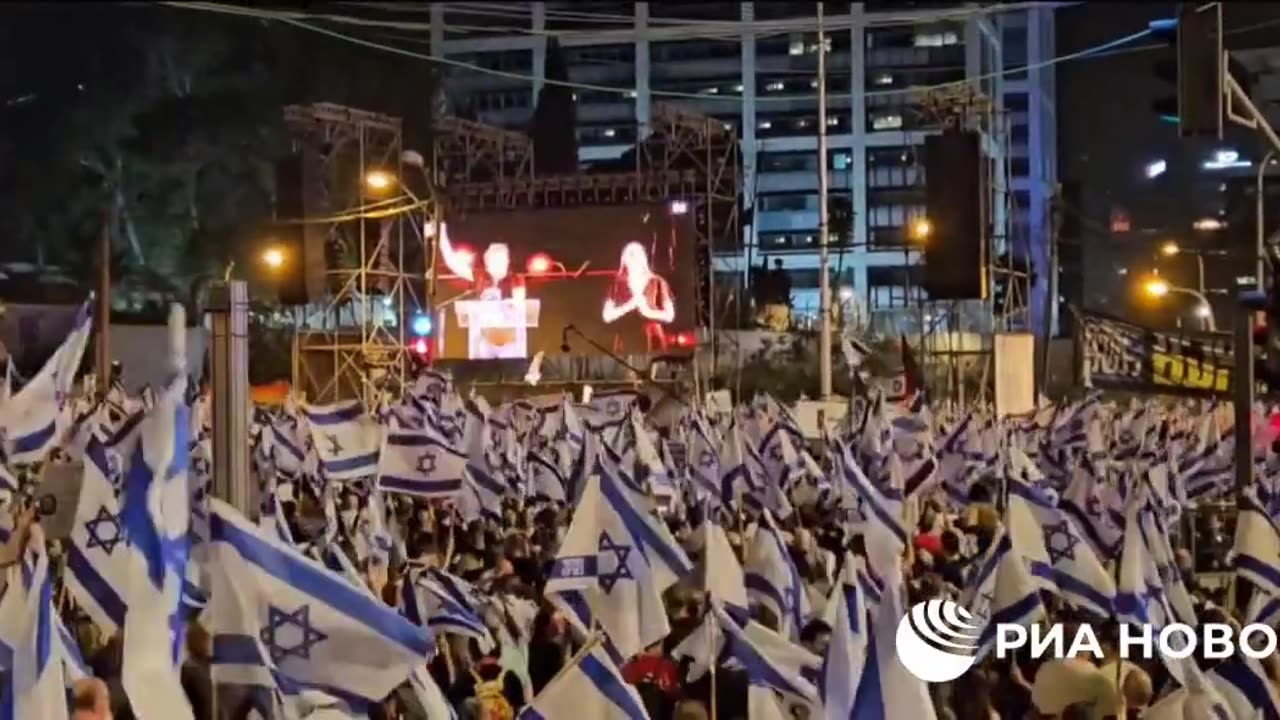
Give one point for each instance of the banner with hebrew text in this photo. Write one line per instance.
(1117, 355)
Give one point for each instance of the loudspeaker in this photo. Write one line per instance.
(288, 233)
(956, 251)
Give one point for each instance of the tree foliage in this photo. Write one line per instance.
(168, 121)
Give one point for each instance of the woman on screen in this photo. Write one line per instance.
(637, 288)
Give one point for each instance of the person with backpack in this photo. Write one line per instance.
(486, 689)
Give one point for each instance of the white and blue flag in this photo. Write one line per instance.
(421, 464)
(97, 556)
(346, 439)
(35, 681)
(33, 419)
(614, 565)
(156, 515)
(281, 620)
(592, 687)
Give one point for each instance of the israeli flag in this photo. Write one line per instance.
(156, 518)
(547, 481)
(885, 683)
(35, 682)
(591, 687)
(719, 571)
(1257, 541)
(1246, 687)
(445, 603)
(33, 420)
(281, 620)
(847, 650)
(771, 662)
(704, 461)
(615, 562)
(97, 556)
(1056, 551)
(773, 580)
(420, 464)
(1001, 591)
(346, 439)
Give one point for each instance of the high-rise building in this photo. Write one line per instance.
(754, 66)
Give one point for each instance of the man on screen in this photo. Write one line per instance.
(637, 288)
(499, 329)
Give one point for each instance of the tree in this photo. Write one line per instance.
(168, 121)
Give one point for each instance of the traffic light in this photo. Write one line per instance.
(1195, 70)
(421, 326)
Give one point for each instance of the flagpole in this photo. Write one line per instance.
(824, 279)
(712, 661)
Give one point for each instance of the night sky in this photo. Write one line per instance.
(1107, 133)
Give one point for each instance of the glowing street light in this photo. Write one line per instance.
(379, 180)
(1204, 312)
(1170, 248)
(273, 257)
(1156, 287)
(920, 229)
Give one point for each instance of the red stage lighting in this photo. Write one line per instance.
(420, 346)
(685, 340)
(539, 264)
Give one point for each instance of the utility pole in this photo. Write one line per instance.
(228, 307)
(824, 279)
(102, 313)
(1051, 295)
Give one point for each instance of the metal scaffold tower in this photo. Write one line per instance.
(957, 336)
(365, 252)
(682, 156)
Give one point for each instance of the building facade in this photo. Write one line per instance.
(754, 66)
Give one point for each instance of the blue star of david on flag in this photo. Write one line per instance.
(613, 407)
(707, 459)
(103, 531)
(1060, 542)
(290, 634)
(334, 446)
(620, 571)
(427, 463)
(775, 453)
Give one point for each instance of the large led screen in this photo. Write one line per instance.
(509, 283)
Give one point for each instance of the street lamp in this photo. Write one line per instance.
(920, 229)
(273, 257)
(1158, 288)
(1170, 248)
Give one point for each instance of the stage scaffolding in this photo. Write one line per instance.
(366, 256)
(681, 155)
(957, 336)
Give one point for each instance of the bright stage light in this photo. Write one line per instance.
(422, 325)
(420, 346)
(539, 264)
(679, 207)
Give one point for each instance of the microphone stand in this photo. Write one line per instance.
(642, 376)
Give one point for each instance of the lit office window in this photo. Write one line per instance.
(886, 121)
(937, 39)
